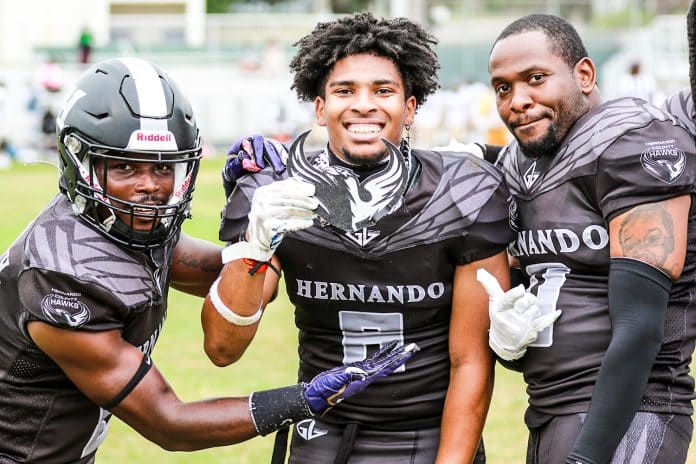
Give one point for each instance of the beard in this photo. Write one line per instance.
(569, 111)
(365, 160)
(544, 147)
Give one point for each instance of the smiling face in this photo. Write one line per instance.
(364, 101)
(144, 183)
(538, 95)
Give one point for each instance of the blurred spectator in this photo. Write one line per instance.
(635, 83)
(6, 147)
(49, 76)
(274, 60)
(466, 113)
(85, 46)
(48, 95)
(286, 119)
(250, 60)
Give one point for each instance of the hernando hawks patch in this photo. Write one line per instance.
(65, 308)
(664, 161)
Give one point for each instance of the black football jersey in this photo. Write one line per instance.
(356, 291)
(63, 272)
(621, 154)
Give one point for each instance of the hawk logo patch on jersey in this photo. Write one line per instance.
(65, 309)
(345, 201)
(308, 429)
(531, 175)
(664, 161)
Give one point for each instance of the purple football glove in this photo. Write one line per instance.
(331, 387)
(251, 154)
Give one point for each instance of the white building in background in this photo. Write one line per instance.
(27, 25)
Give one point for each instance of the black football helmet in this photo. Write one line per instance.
(129, 110)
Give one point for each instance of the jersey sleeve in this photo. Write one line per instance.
(491, 232)
(646, 165)
(66, 302)
(482, 197)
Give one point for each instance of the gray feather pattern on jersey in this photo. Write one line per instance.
(68, 246)
(594, 133)
(346, 201)
(681, 107)
(463, 189)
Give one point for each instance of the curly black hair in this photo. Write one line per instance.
(407, 44)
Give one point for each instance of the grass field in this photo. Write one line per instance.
(270, 361)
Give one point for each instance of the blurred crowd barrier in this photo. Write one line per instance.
(230, 100)
(466, 112)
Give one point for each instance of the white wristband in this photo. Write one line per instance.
(244, 250)
(229, 315)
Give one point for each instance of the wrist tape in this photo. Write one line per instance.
(273, 409)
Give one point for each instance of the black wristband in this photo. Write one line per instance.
(272, 409)
(145, 365)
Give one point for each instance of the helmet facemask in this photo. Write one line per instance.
(116, 216)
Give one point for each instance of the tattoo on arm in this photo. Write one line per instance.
(647, 233)
(192, 261)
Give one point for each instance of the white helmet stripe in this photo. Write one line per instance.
(75, 95)
(151, 96)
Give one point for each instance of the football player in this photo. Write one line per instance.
(83, 290)
(604, 209)
(377, 242)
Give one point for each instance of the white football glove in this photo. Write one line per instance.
(457, 146)
(515, 318)
(283, 206)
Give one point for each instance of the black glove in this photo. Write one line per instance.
(251, 154)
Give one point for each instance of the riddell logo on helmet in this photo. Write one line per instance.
(184, 187)
(140, 136)
(152, 140)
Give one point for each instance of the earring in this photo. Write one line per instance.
(408, 133)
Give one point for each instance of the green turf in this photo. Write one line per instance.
(270, 361)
